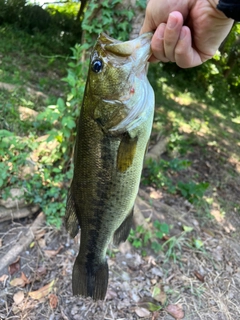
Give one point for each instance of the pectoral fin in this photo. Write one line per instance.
(121, 234)
(71, 220)
(126, 152)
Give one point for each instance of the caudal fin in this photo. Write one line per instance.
(90, 281)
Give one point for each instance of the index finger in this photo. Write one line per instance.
(158, 11)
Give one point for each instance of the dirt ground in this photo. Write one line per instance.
(198, 284)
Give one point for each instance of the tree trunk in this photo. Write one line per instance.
(81, 8)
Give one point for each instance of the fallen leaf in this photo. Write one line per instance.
(25, 279)
(159, 294)
(149, 303)
(142, 312)
(32, 244)
(20, 282)
(176, 311)
(42, 292)
(15, 266)
(53, 301)
(53, 253)
(18, 297)
(209, 232)
(42, 243)
(39, 234)
(41, 271)
(199, 276)
(3, 278)
(15, 309)
(17, 282)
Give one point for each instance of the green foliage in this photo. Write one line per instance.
(141, 3)
(192, 191)
(64, 114)
(141, 238)
(13, 154)
(48, 182)
(106, 16)
(158, 173)
(58, 22)
(157, 238)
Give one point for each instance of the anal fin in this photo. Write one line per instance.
(71, 220)
(121, 234)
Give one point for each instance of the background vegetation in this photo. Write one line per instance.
(39, 46)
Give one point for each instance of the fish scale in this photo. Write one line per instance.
(113, 131)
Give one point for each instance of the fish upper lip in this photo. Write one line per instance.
(138, 48)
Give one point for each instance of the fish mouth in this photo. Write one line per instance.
(139, 49)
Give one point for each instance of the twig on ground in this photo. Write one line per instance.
(23, 242)
(16, 213)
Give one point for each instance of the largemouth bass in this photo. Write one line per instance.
(113, 131)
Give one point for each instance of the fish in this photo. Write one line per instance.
(113, 131)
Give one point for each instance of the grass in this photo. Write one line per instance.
(27, 60)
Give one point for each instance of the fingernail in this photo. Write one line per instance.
(182, 34)
(172, 21)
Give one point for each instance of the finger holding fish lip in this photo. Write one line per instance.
(166, 38)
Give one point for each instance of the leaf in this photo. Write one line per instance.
(150, 304)
(17, 282)
(164, 228)
(53, 301)
(175, 311)
(159, 234)
(42, 292)
(156, 246)
(142, 312)
(25, 279)
(15, 266)
(187, 229)
(41, 271)
(199, 276)
(32, 244)
(18, 297)
(20, 282)
(137, 243)
(159, 294)
(61, 104)
(236, 120)
(39, 234)
(197, 243)
(3, 278)
(52, 253)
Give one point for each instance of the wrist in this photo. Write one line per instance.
(231, 8)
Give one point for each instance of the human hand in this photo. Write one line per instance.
(187, 32)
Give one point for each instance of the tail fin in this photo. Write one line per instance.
(90, 281)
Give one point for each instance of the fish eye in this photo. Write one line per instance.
(97, 65)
